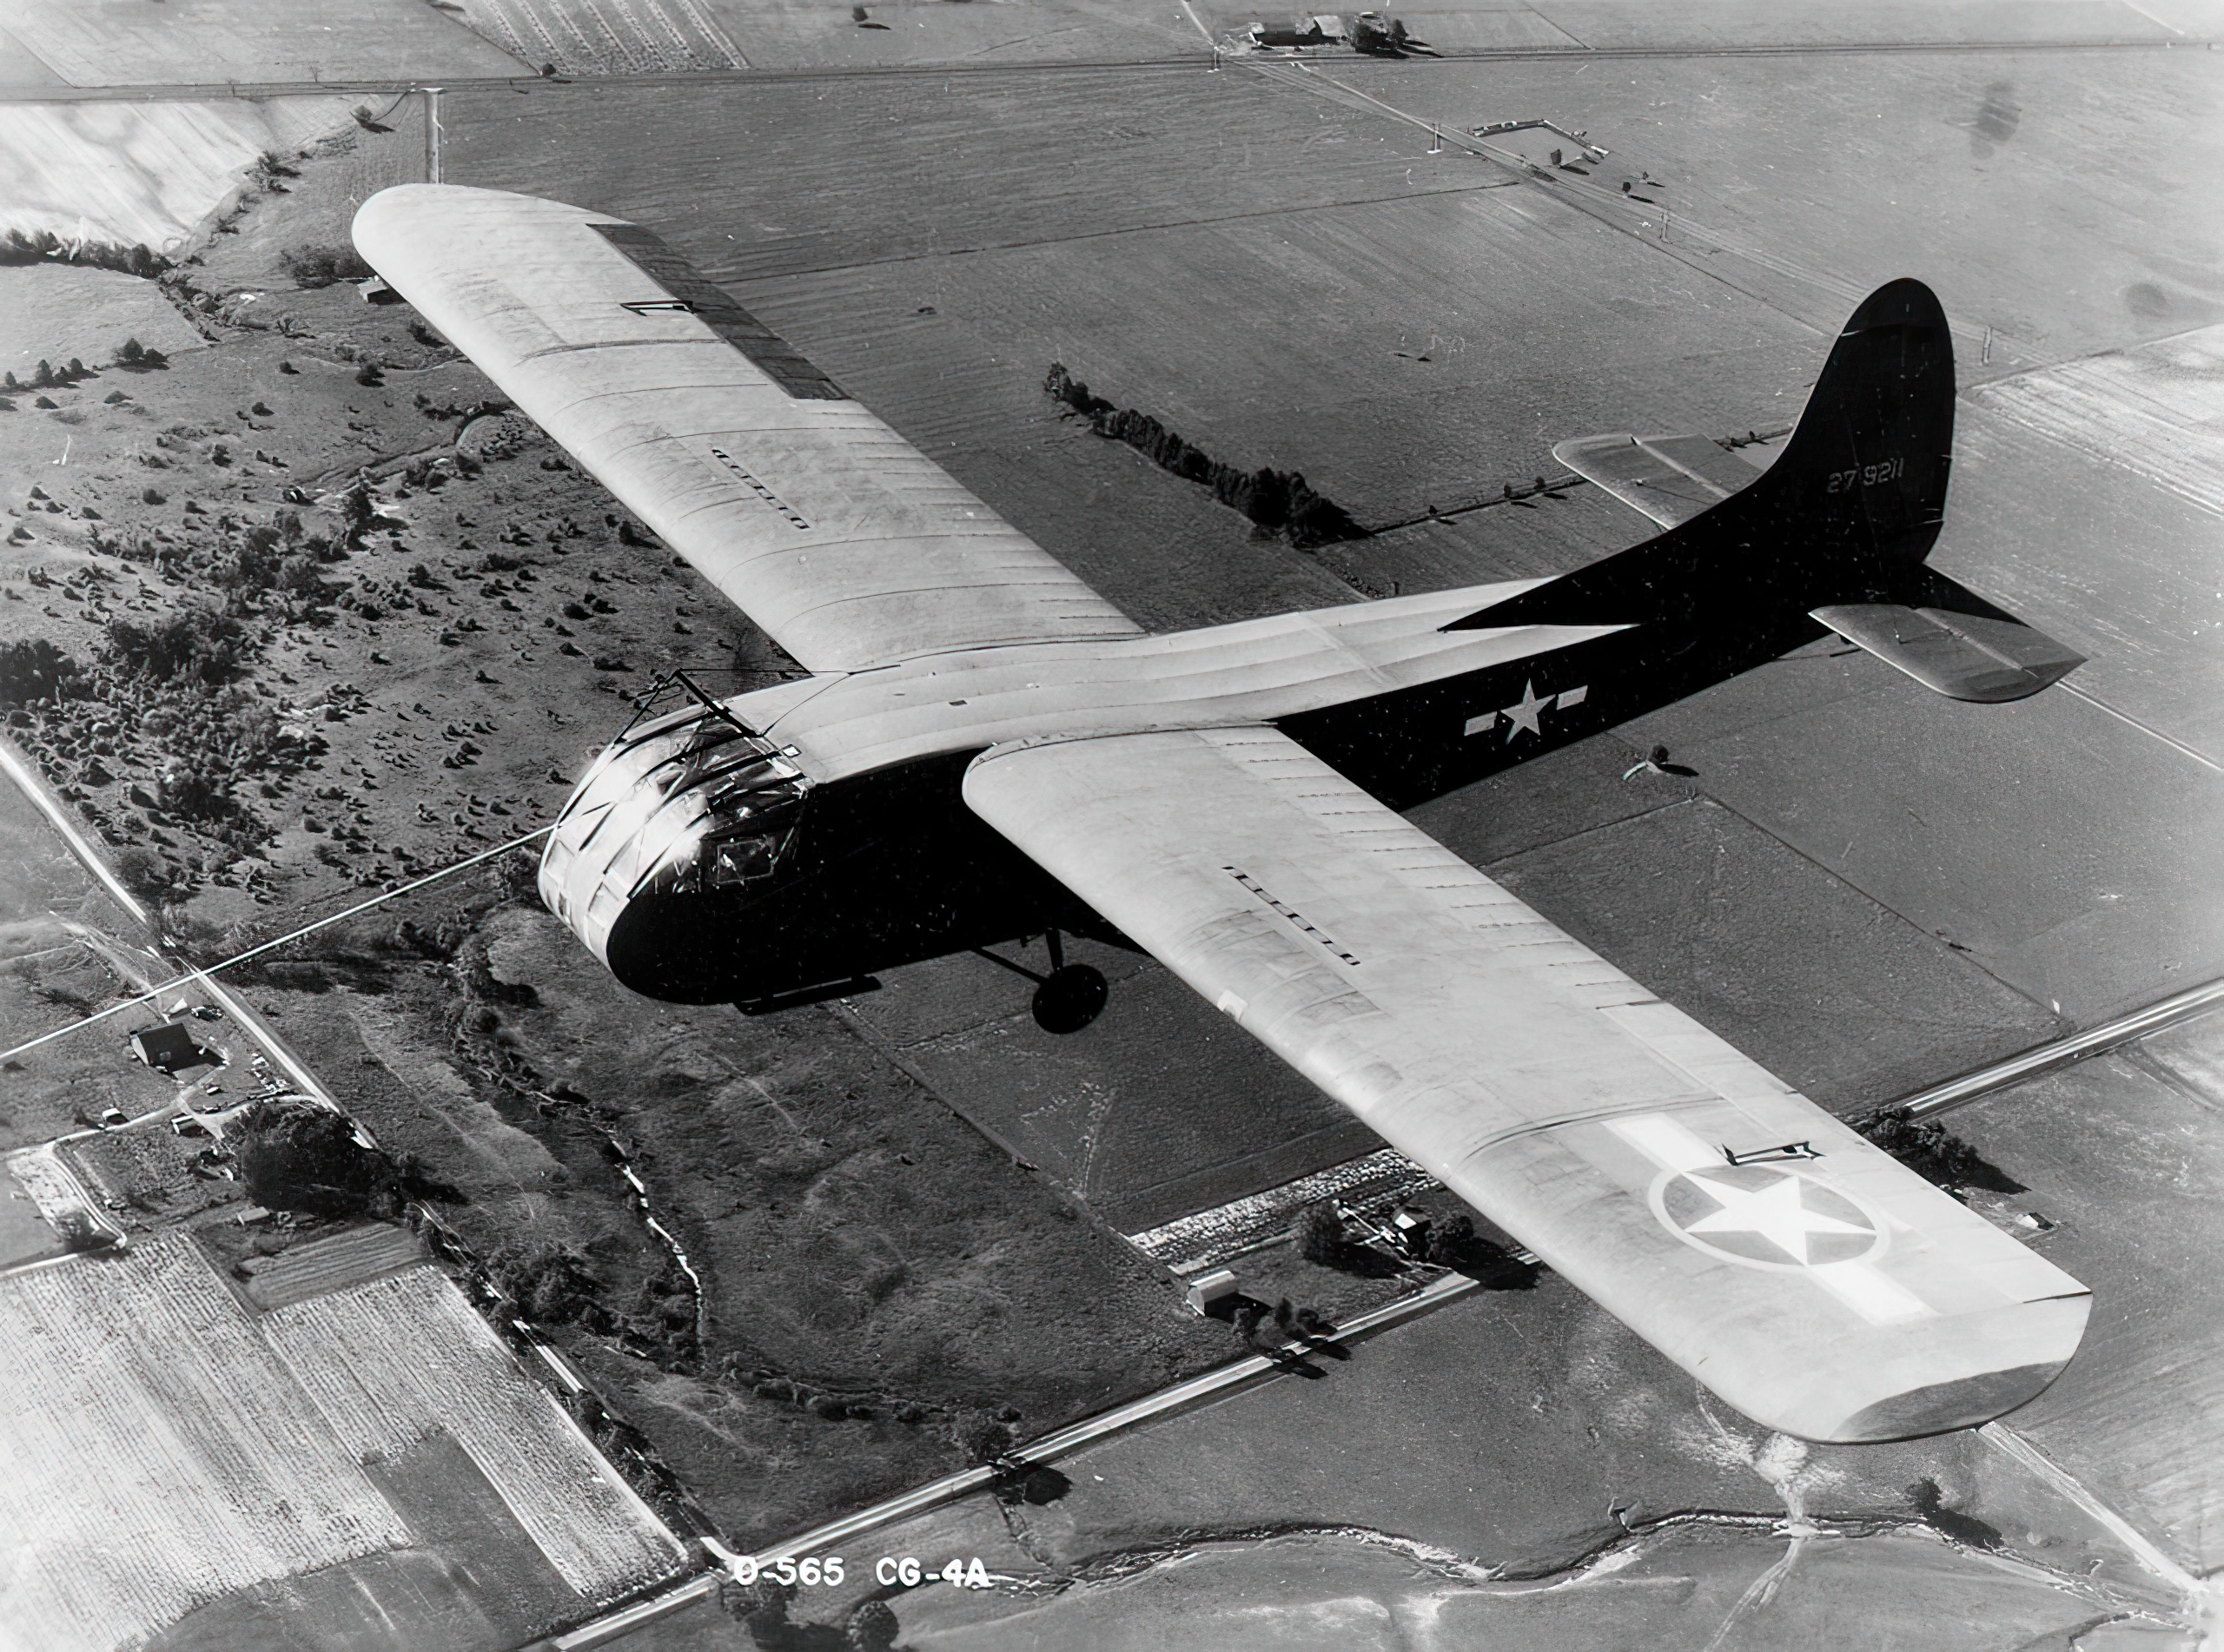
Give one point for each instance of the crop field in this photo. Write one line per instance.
(2156, 409)
(319, 1266)
(606, 37)
(379, 1392)
(166, 1448)
(115, 42)
(1867, 889)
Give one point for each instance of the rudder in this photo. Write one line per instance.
(1867, 464)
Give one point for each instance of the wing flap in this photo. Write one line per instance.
(1670, 478)
(1602, 1128)
(839, 538)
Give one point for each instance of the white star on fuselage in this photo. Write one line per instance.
(1528, 712)
(1774, 1212)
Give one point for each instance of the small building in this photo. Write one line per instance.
(167, 1047)
(1211, 1291)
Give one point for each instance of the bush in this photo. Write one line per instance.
(1929, 1150)
(323, 265)
(981, 1436)
(192, 794)
(142, 871)
(1278, 501)
(37, 671)
(19, 247)
(80, 1233)
(552, 1284)
(872, 1627)
(295, 1156)
(195, 644)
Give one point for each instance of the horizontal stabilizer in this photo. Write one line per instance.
(1986, 656)
(1670, 479)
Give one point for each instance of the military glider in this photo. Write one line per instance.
(983, 751)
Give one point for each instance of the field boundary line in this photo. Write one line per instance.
(2061, 1052)
(375, 85)
(2143, 1548)
(1076, 1437)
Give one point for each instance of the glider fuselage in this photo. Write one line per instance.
(814, 832)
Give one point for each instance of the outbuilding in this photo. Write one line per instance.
(167, 1047)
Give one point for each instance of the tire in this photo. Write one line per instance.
(1070, 999)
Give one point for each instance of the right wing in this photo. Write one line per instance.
(1836, 1297)
(844, 542)
(1670, 479)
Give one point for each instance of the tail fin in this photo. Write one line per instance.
(1847, 513)
(1867, 465)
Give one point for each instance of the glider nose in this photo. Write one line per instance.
(690, 804)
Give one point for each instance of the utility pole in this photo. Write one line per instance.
(432, 134)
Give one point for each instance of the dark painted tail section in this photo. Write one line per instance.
(1868, 463)
(1847, 513)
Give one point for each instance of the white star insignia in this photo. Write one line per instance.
(1528, 712)
(1776, 1214)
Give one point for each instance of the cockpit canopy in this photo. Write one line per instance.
(690, 802)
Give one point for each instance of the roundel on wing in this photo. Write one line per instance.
(1766, 1216)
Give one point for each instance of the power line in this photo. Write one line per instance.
(357, 910)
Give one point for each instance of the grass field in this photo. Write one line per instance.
(50, 315)
(154, 174)
(1865, 888)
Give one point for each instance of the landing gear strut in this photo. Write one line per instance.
(1070, 997)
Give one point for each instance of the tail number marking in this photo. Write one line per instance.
(1867, 475)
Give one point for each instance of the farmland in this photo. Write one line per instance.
(236, 1450)
(1867, 889)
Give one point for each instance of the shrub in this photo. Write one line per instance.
(1929, 1150)
(552, 1284)
(80, 1233)
(295, 1156)
(36, 671)
(196, 644)
(1278, 501)
(321, 266)
(872, 1627)
(194, 794)
(19, 247)
(143, 871)
(981, 1436)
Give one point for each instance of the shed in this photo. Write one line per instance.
(167, 1047)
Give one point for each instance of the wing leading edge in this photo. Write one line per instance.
(1838, 1297)
(822, 524)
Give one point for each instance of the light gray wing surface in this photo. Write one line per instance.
(821, 522)
(1670, 479)
(1836, 1297)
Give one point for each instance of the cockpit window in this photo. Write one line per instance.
(686, 802)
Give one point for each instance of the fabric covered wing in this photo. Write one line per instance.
(827, 528)
(1834, 1297)
(1670, 479)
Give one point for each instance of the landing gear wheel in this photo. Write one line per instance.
(1070, 998)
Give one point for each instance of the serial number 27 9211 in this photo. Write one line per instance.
(1867, 475)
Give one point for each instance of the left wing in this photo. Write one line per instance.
(848, 545)
(1804, 1275)
(1670, 479)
